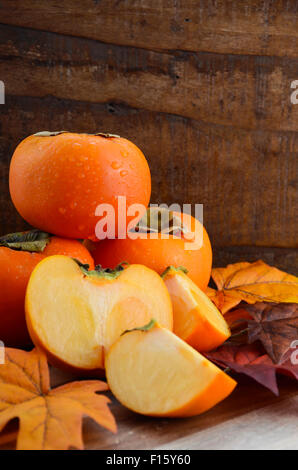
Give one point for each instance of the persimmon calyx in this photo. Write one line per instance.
(106, 135)
(152, 323)
(49, 133)
(102, 273)
(33, 241)
(160, 220)
(176, 269)
(54, 133)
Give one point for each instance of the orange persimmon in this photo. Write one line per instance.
(75, 315)
(57, 180)
(153, 372)
(158, 253)
(19, 254)
(196, 319)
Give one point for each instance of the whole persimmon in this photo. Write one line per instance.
(19, 254)
(57, 180)
(158, 253)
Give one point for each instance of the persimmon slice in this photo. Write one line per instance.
(153, 372)
(196, 319)
(74, 315)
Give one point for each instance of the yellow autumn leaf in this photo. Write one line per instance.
(49, 419)
(251, 282)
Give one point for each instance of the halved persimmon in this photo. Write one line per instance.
(153, 372)
(74, 315)
(196, 319)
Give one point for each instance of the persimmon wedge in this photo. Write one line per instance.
(153, 372)
(75, 315)
(196, 319)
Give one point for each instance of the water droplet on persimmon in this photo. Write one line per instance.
(115, 165)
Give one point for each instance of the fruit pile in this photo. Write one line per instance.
(132, 309)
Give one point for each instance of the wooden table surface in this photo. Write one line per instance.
(251, 418)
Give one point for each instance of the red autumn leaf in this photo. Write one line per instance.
(290, 364)
(251, 361)
(275, 325)
(237, 318)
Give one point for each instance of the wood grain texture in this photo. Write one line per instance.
(223, 26)
(234, 173)
(254, 431)
(243, 92)
(208, 102)
(251, 418)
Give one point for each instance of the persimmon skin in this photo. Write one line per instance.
(57, 182)
(15, 270)
(157, 254)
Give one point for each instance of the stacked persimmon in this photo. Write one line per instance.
(137, 316)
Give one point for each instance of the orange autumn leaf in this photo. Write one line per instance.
(251, 282)
(223, 301)
(49, 419)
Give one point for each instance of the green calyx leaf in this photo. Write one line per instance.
(145, 328)
(160, 220)
(102, 273)
(177, 269)
(32, 241)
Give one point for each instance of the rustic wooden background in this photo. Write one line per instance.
(202, 87)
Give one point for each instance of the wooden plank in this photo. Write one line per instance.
(282, 258)
(237, 419)
(245, 179)
(270, 428)
(244, 92)
(223, 26)
(264, 422)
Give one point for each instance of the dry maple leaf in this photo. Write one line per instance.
(223, 301)
(250, 360)
(275, 325)
(48, 419)
(252, 282)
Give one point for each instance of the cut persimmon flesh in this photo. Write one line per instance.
(196, 319)
(153, 372)
(74, 315)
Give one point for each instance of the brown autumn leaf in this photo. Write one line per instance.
(48, 418)
(275, 325)
(251, 282)
(250, 360)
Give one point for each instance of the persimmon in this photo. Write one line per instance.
(75, 315)
(19, 254)
(57, 180)
(158, 253)
(196, 319)
(153, 372)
